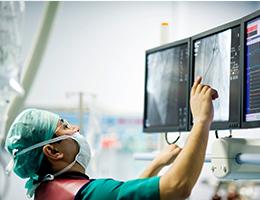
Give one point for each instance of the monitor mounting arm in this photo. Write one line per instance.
(236, 158)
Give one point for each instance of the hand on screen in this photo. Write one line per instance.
(201, 102)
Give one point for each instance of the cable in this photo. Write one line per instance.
(166, 138)
(230, 134)
(216, 134)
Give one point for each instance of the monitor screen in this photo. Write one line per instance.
(252, 71)
(216, 59)
(166, 89)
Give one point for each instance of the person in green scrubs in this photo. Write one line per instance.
(45, 147)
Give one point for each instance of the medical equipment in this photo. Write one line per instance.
(14, 85)
(231, 158)
(166, 104)
(215, 57)
(236, 158)
(32, 63)
(250, 90)
(11, 21)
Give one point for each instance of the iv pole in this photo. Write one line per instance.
(80, 108)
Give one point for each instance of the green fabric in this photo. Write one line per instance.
(30, 127)
(138, 189)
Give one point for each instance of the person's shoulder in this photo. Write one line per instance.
(101, 188)
(105, 181)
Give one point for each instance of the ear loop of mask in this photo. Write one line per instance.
(10, 165)
(49, 177)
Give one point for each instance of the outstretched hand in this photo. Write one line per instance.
(165, 157)
(168, 155)
(201, 102)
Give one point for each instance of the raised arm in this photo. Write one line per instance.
(178, 181)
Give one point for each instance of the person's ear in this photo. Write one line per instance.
(51, 152)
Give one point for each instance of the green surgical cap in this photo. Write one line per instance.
(30, 127)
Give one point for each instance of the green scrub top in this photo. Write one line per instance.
(102, 189)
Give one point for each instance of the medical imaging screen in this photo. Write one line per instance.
(216, 59)
(166, 88)
(253, 70)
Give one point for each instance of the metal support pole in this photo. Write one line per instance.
(151, 156)
(253, 159)
(81, 112)
(80, 96)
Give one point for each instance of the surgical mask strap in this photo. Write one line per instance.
(41, 144)
(10, 165)
(50, 177)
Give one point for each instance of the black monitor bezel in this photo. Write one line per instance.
(244, 123)
(159, 129)
(220, 125)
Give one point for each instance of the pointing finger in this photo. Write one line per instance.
(195, 85)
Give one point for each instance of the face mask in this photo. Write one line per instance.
(83, 156)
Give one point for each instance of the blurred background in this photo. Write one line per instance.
(92, 74)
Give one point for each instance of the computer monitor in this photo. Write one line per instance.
(166, 88)
(251, 73)
(216, 57)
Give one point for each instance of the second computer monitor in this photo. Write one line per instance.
(251, 61)
(166, 88)
(216, 57)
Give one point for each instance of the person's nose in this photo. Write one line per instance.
(75, 128)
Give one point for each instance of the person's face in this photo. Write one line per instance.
(68, 147)
(64, 128)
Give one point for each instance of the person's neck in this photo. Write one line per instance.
(61, 165)
(77, 168)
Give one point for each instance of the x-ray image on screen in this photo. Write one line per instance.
(212, 57)
(166, 72)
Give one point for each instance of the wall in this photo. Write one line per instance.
(195, 17)
(98, 48)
